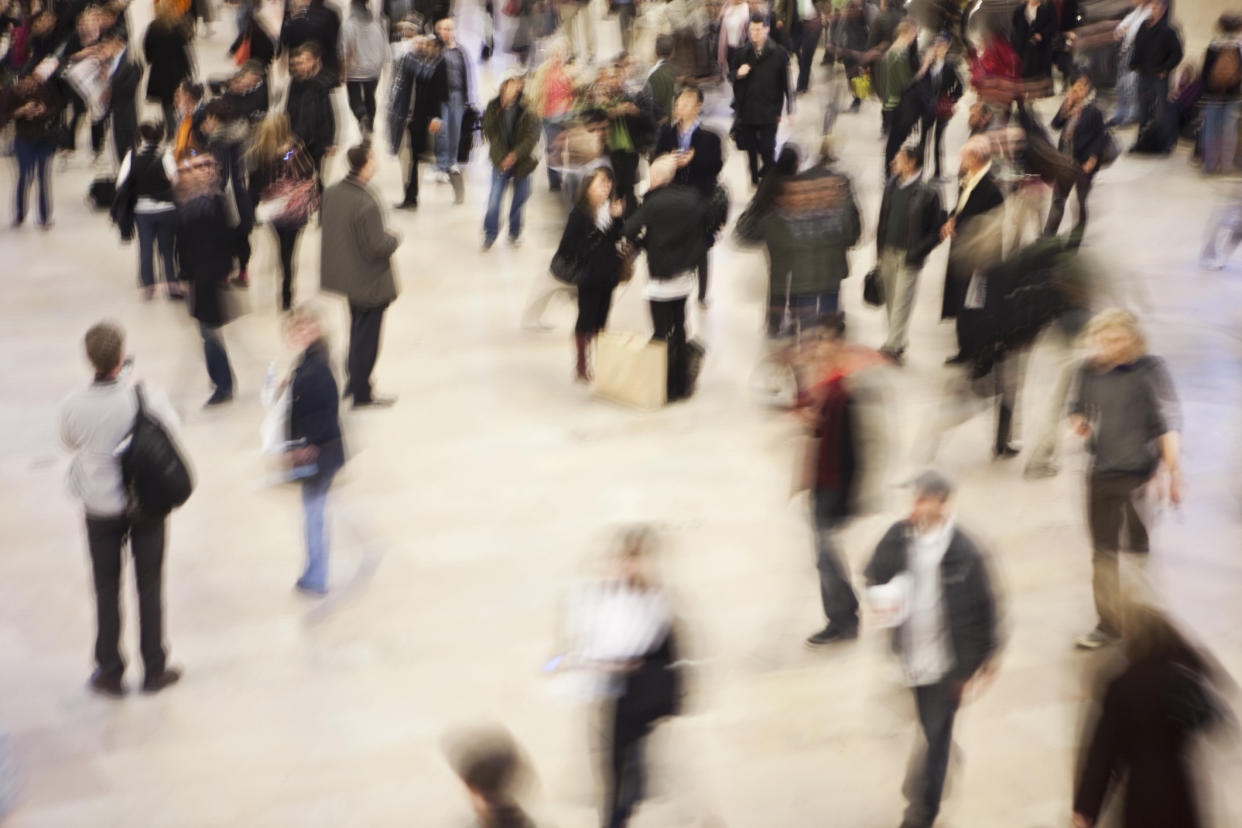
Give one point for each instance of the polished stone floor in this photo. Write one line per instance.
(468, 508)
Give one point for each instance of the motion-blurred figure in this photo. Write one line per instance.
(491, 766)
(930, 583)
(1164, 698)
(1157, 52)
(1125, 405)
(1083, 139)
(1222, 88)
(760, 74)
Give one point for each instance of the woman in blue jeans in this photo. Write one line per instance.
(34, 109)
(315, 434)
(144, 200)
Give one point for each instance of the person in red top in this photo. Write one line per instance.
(834, 469)
(996, 71)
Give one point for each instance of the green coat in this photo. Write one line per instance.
(898, 75)
(525, 137)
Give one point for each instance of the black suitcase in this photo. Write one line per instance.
(102, 193)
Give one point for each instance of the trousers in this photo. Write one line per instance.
(521, 191)
(760, 140)
(449, 136)
(218, 369)
(287, 236)
(361, 95)
(364, 342)
(156, 232)
(937, 707)
(1060, 194)
(668, 318)
(106, 538)
(900, 283)
(837, 596)
(1111, 507)
(314, 504)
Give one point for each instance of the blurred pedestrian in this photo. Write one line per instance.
(33, 106)
(1035, 28)
(1222, 96)
(316, 451)
(166, 48)
(315, 22)
(283, 175)
(553, 98)
(364, 47)
(588, 256)
(309, 104)
(419, 94)
(124, 74)
(1084, 139)
(493, 770)
(1150, 715)
(760, 75)
(512, 131)
(580, 46)
(1157, 52)
(908, 229)
(356, 261)
(903, 110)
(1125, 405)
(671, 225)
(94, 421)
(144, 201)
(941, 88)
(1126, 110)
(205, 244)
(460, 93)
(929, 582)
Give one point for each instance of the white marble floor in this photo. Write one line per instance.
(467, 508)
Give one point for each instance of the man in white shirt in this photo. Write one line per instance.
(94, 422)
(929, 583)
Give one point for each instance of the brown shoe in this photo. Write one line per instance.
(154, 684)
(106, 685)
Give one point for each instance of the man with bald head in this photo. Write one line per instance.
(671, 224)
(976, 230)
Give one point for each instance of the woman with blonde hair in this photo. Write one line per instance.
(282, 183)
(1125, 406)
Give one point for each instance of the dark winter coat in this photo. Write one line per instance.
(592, 252)
(672, 223)
(760, 95)
(1157, 49)
(314, 404)
(925, 220)
(356, 250)
(704, 168)
(167, 52)
(205, 244)
(1036, 57)
(522, 143)
(311, 116)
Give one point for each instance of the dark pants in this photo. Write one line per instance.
(418, 144)
(626, 776)
(364, 341)
(625, 173)
(760, 142)
(1060, 194)
(106, 539)
(33, 160)
(1153, 96)
(1110, 508)
(669, 320)
(156, 231)
(840, 603)
(287, 235)
(806, 37)
(241, 247)
(898, 132)
(934, 126)
(362, 102)
(703, 277)
(170, 116)
(218, 369)
(937, 706)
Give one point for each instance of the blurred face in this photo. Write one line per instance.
(941, 49)
(510, 91)
(447, 31)
(244, 82)
(901, 165)
(599, 190)
(44, 23)
(1112, 346)
(928, 511)
(758, 34)
(199, 171)
(978, 116)
(1081, 89)
(303, 64)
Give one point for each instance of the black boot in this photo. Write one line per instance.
(1004, 424)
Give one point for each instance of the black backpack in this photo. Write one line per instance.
(156, 477)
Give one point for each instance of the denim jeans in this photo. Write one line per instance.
(218, 368)
(156, 231)
(314, 503)
(552, 129)
(1220, 135)
(521, 191)
(33, 160)
(835, 592)
(449, 137)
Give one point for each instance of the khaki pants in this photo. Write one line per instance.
(571, 10)
(900, 282)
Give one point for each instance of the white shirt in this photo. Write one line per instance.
(925, 651)
(735, 24)
(145, 204)
(676, 287)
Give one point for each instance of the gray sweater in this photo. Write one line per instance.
(93, 422)
(1129, 408)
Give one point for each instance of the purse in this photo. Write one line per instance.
(873, 288)
(628, 256)
(860, 85)
(292, 199)
(566, 268)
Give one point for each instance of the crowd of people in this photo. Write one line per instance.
(625, 141)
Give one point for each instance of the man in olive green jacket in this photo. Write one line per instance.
(356, 261)
(512, 131)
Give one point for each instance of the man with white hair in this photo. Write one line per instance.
(671, 224)
(977, 243)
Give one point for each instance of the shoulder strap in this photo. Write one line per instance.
(138, 394)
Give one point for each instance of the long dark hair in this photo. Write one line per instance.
(582, 202)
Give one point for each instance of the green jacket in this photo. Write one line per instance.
(525, 137)
(663, 86)
(898, 75)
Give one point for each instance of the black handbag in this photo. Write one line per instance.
(566, 268)
(470, 124)
(156, 476)
(873, 288)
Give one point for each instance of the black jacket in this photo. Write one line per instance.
(592, 252)
(205, 244)
(704, 168)
(672, 221)
(319, 23)
(1210, 57)
(947, 85)
(1036, 57)
(311, 116)
(926, 218)
(249, 106)
(1142, 731)
(1157, 49)
(971, 618)
(758, 97)
(262, 49)
(972, 249)
(166, 50)
(123, 104)
(314, 407)
(1089, 138)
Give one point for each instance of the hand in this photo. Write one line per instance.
(617, 208)
(949, 230)
(508, 161)
(1089, 166)
(743, 71)
(1176, 487)
(434, 126)
(1080, 425)
(303, 455)
(684, 158)
(330, 151)
(1036, 38)
(1081, 821)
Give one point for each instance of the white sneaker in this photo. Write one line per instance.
(442, 178)
(454, 170)
(1095, 639)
